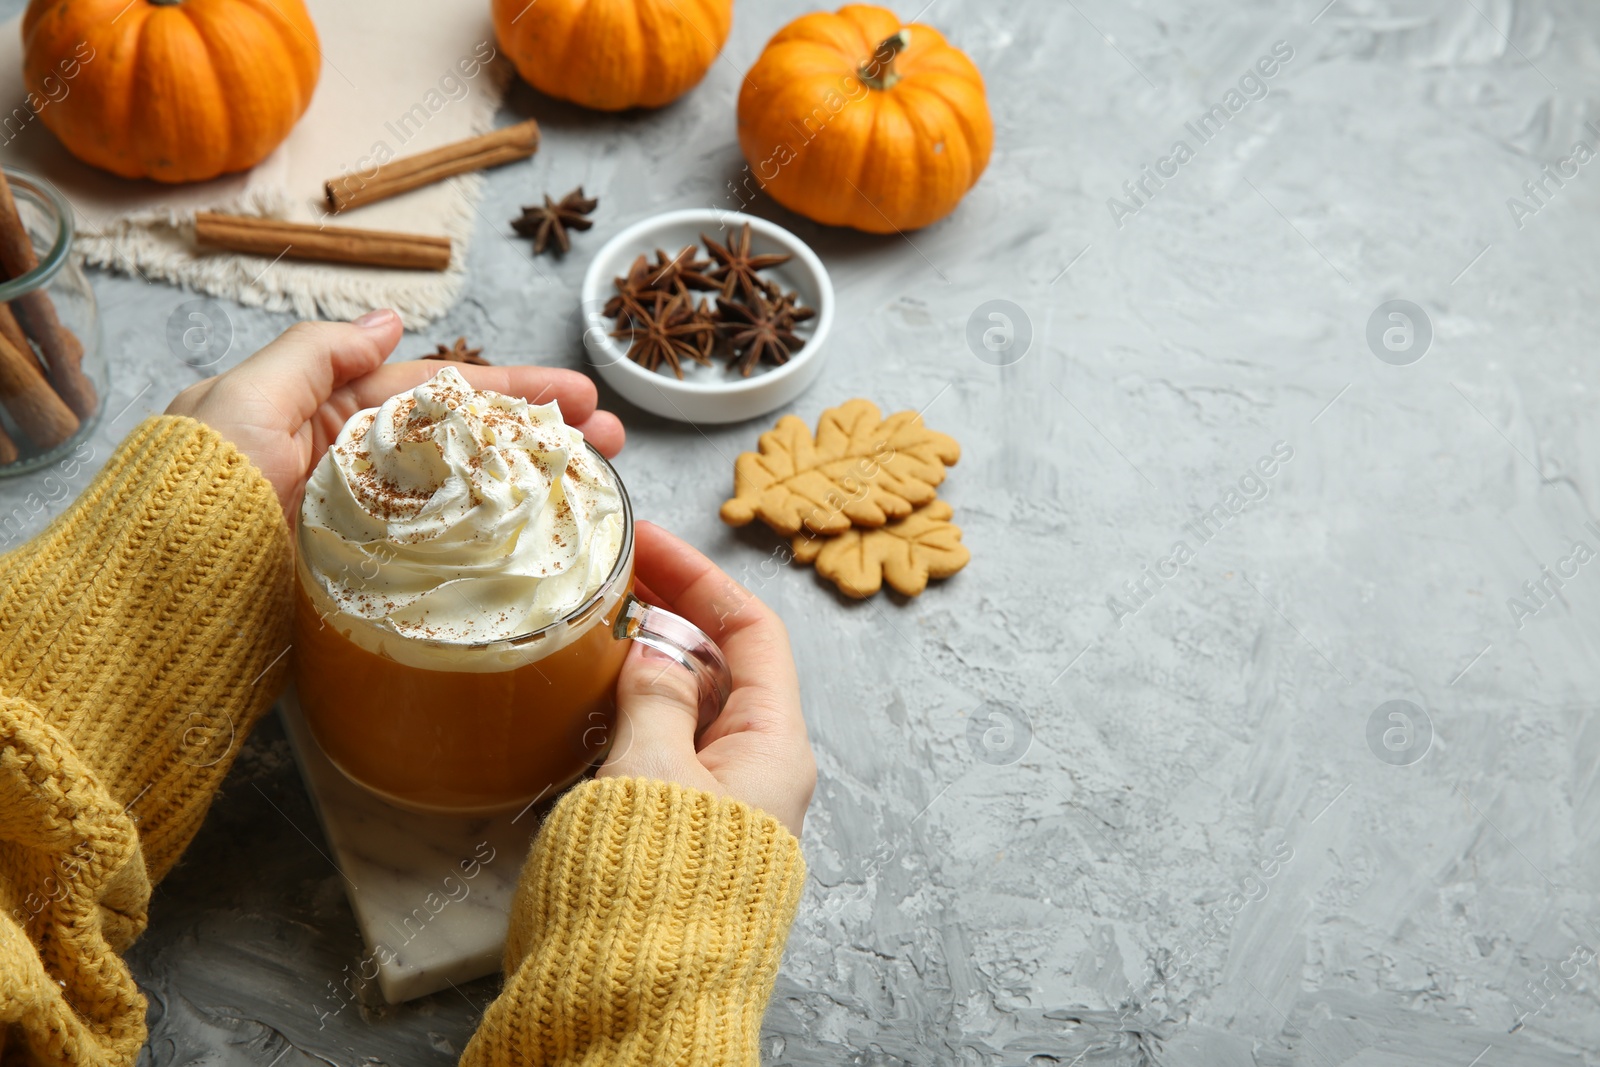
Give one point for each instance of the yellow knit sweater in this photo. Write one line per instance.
(143, 634)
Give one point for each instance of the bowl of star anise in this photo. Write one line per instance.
(707, 316)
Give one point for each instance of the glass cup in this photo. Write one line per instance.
(56, 292)
(436, 726)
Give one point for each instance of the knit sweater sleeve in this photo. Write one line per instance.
(646, 930)
(141, 635)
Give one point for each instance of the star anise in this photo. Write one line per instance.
(797, 312)
(682, 272)
(704, 319)
(633, 290)
(667, 333)
(459, 353)
(548, 225)
(758, 329)
(649, 285)
(737, 271)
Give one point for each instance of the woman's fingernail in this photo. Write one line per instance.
(380, 317)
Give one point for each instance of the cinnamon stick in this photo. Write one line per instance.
(36, 313)
(371, 248)
(10, 329)
(8, 449)
(402, 175)
(36, 409)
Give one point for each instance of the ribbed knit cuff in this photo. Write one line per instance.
(74, 893)
(647, 929)
(149, 622)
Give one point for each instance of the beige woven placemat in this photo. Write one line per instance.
(400, 76)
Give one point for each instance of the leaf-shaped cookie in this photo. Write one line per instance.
(860, 469)
(923, 545)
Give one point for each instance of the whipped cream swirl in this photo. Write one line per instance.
(460, 516)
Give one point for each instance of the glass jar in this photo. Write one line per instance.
(53, 381)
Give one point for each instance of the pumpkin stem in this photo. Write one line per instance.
(878, 72)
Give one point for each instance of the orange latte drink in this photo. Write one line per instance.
(464, 568)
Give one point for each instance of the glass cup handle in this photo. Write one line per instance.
(686, 645)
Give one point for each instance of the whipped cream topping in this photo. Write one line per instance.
(460, 515)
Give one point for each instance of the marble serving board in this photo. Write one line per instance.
(431, 893)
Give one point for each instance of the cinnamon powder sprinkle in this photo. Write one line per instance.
(498, 443)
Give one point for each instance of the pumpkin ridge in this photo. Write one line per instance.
(229, 132)
(655, 24)
(37, 14)
(814, 28)
(133, 40)
(656, 67)
(137, 65)
(875, 214)
(976, 147)
(707, 10)
(291, 37)
(924, 134)
(926, 41)
(870, 30)
(694, 29)
(244, 60)
(564, 48)
(576, 39)
(821, 58)
(941, 60)
(951, 124)
(791, 94)
(568, 41)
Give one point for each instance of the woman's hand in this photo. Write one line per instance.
(757, 750)
(284, 405)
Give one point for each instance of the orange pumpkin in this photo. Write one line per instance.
(852, 119)
(613, 54)
(175, 90)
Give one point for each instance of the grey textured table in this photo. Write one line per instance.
(1183, 826)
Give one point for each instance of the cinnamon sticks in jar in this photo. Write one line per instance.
(37, 409)
(46, 401)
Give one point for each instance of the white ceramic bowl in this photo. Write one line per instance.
(713, 394)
